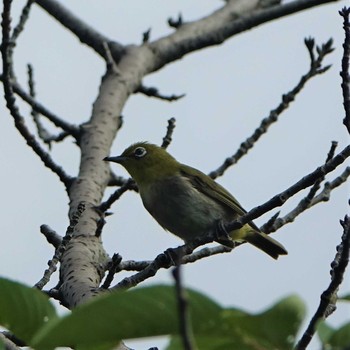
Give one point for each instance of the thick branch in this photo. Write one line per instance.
(221, 25)
(85, 33)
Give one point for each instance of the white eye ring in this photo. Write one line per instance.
(140, 152)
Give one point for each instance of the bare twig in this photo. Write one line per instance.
(325, 194)
(11, 101)
(314, 69)
(62, 247)
(176, 23)
(185, 325)
(279, 199)
(169, 133)
(345, 13)
(22, 21)
(70, 129)
(129, 185)
(85, 33)
(111, 63)
(146, 36)
(117, 180)
(154, 92)
(51, 235)
(329, 297)
(42, 132)
(113, 268)
(304, 204)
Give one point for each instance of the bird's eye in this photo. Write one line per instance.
(140, 152)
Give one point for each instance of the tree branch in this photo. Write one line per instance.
(22, 21)
(183, 311)
(61, 248)
(43, 133)
(169, 133)
(315, 69)
(329, 297)
(279, 199)
(304, 204)
(154, 92)
(6, 51)
(51, 236)
(85, 33)
(233, 18)
(57, 121)
(345, 13)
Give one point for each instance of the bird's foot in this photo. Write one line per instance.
(222, 236)
(174, 255)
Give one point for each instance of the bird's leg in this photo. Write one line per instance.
(222, 236)
(175, 255)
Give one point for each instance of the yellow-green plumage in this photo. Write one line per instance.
(184, 200)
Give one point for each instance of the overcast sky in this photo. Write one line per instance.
(229, 89)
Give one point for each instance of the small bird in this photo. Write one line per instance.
(187, 202)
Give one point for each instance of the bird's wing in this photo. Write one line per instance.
(212, 189)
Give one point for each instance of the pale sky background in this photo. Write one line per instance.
(229, 89)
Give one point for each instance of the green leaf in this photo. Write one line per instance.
(212, 343)
(340, 338)
(345, 297)
(324, 331)
(2, 345)
(23, 310)
(141, 312)
(275, 328)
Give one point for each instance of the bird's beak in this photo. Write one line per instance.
(118, 159)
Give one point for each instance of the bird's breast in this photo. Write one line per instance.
(181, 208)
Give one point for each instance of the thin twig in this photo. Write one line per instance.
(304, 204)
(329, 297)
(279, 199)
(129, 185)
(185, 325)
(325, 194)
(117, 180)
(43, 134)
(18, 29)
(315, 68)
(111, 63)
(345, 13)
(146, 35)
(61, 249)
(112, 269)
(11, 100)
(154, 92)
(70, 129)
(176, 23)
(169, 133)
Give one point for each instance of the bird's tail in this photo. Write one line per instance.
(266, 243)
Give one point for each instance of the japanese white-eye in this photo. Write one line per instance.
(186, 201)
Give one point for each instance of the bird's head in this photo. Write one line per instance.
(146, 162)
